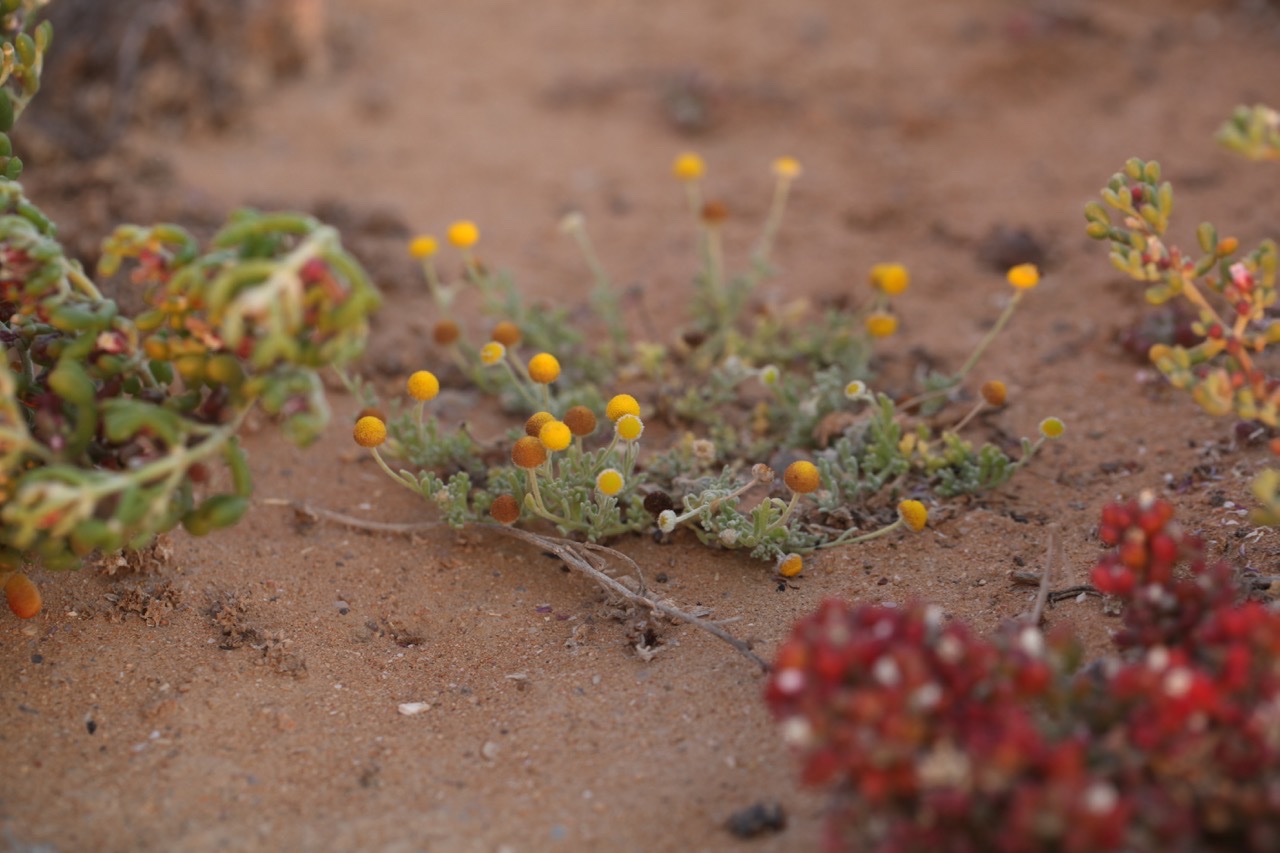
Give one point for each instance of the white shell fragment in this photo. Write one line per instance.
(412, 709)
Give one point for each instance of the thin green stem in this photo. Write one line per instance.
(773, 221)
(843, 539)
(995, 330)
(404, 480)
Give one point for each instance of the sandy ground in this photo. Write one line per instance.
(243, 694)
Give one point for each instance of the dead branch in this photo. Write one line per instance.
(586, 557)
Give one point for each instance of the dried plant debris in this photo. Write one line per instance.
(231, 615)
(152, 558)
(151, 601)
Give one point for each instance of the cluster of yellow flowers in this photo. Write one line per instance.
(612, 467)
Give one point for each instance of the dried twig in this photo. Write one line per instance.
(1042, 595)
(1056, 595)
(586, 557)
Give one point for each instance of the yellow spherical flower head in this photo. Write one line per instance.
(790, 565)
(629, 427)
(621, 404)
(506, 333)
(890, 279)
(464, 234)
(505, 509)
(492, 353)
(528, 452)
(880, 324)
(802, 477)
(536, 422)
(688, 167)
(1052, 427)
(544, 368)
(787, 168)
(914, 514)
(994, 392)
(609, 481)
(423, 385)
(555, 435)
(369, 431)
(581, 420)
(423, 246)
(1024, 276)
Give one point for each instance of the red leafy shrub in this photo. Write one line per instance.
(934, 738)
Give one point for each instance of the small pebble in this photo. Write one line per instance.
(412, 709)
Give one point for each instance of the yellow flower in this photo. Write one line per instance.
(790, 565)
(581, 420)
(769, 374)
(621, 404)
(504, 509)
(528, 452)
(423, 246)
(890, 279)
(688, 167)
(536, 422)
(855, 390)
(914, 514)
(802, 477)
(369, 431)
(555, 435)
(609, 481)
(1052, 427)
(423, 385)
(464, 234)
(994, 392)
(881, 324)
(492, 353)
(1024, 276)
(787, 168)
(544, 368)
(629, 427)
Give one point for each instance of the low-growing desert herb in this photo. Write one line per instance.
(738, 388)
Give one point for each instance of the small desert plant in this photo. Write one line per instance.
(1221, 358)
(1221, 371)
(741, 386)
(931, 737)
(110, 424)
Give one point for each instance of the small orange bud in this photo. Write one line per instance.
(536, 422)
(528, 452)
(715, 212)
(445, 332)
(802, 477)
(504, 509)
(881, 324)
(994, 392)
(790, 565)
(581, 420)
(506, 333)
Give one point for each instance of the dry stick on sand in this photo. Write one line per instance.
(586, 557)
